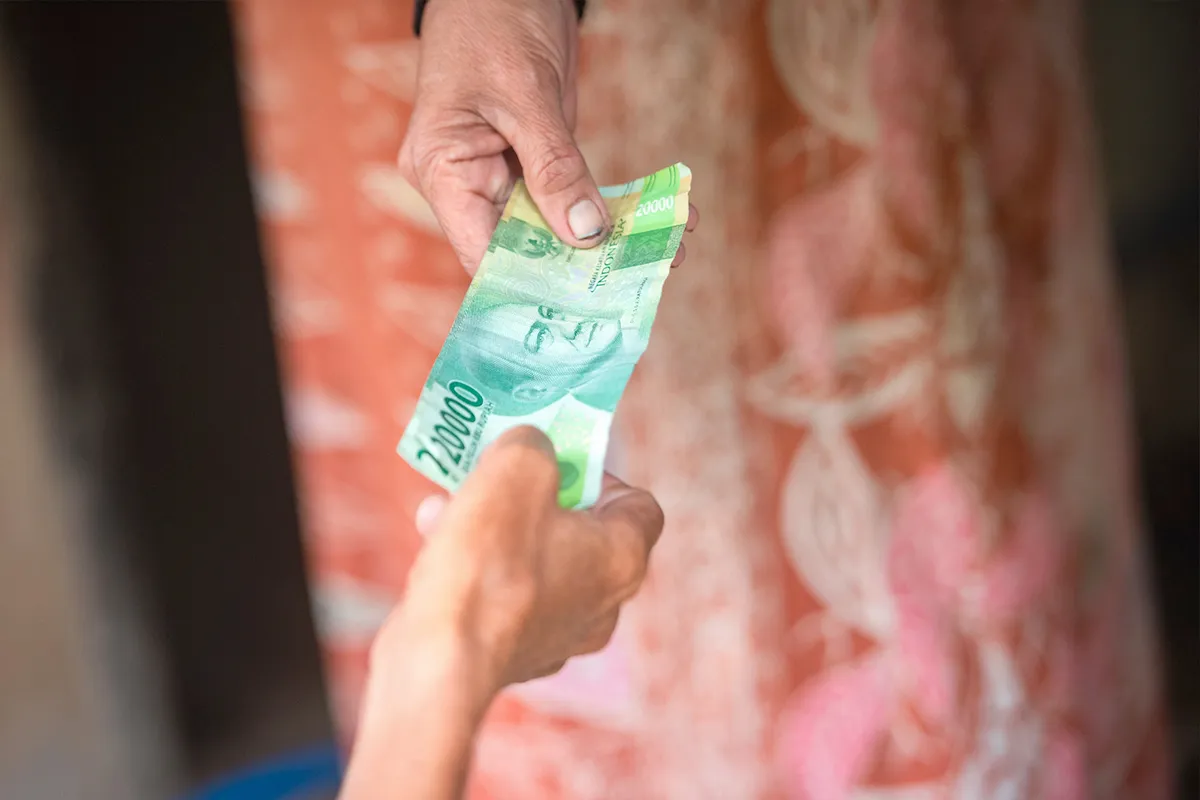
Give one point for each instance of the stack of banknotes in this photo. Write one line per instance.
(548, 336)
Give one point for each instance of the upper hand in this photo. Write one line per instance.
(496, 101)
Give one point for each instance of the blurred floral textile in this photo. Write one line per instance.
(883, 406)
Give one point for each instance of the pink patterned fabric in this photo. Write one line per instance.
(883, 407)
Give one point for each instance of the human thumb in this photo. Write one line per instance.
(559, 180)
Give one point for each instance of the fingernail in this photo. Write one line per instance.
(584, 220)
(428, 513)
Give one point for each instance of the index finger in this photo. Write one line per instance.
(468, 217)
(632, 521)
(465, 189)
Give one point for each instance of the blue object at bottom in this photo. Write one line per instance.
(313, 774)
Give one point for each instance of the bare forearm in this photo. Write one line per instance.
(415, 739)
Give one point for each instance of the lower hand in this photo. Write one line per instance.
(523, 584)
(508, 587)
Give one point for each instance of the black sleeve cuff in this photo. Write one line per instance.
(419, 11)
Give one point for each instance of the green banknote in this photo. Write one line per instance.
(548, 336)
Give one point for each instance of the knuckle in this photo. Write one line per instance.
(553, 669)
(600, 635)
(594, 643)
(421, 159)
(527, 71)
(557, 168)
(425, 165)
(655, 519)
(628, 562)
(532, 77)
(404, 161)
(644, 516)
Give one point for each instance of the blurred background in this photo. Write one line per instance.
(155, 623)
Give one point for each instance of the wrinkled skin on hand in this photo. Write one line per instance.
(496, 101)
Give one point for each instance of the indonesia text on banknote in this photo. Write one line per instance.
(548, 336)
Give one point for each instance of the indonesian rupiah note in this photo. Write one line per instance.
(548, 336)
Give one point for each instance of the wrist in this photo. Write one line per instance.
(420, 8)
(413, 659)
